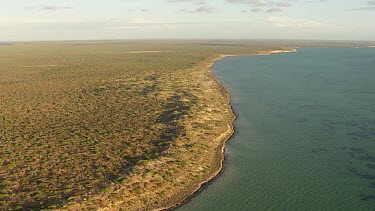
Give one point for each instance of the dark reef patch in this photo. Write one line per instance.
(367, 197)
(316, 150)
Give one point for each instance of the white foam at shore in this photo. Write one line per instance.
(282, 51)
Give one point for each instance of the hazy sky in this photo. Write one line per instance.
(229, 19)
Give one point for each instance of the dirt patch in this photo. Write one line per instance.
(147, 51)
(42, 65)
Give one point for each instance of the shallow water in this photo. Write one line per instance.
(305, 133)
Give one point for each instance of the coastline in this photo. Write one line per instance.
(224, 137)
(277, 51)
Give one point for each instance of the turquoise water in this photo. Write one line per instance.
(305, 133)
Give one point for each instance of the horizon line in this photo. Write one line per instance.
(185, 39)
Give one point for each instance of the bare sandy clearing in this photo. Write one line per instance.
(147, 51)
(42, 65)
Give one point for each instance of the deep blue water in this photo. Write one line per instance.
(305, 133)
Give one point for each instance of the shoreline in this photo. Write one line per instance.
(278, 51)
(224, 137)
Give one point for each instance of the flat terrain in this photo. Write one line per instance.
(130, 125)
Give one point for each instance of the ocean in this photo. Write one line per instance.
(305, 133)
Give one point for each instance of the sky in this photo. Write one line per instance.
(26, 20)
